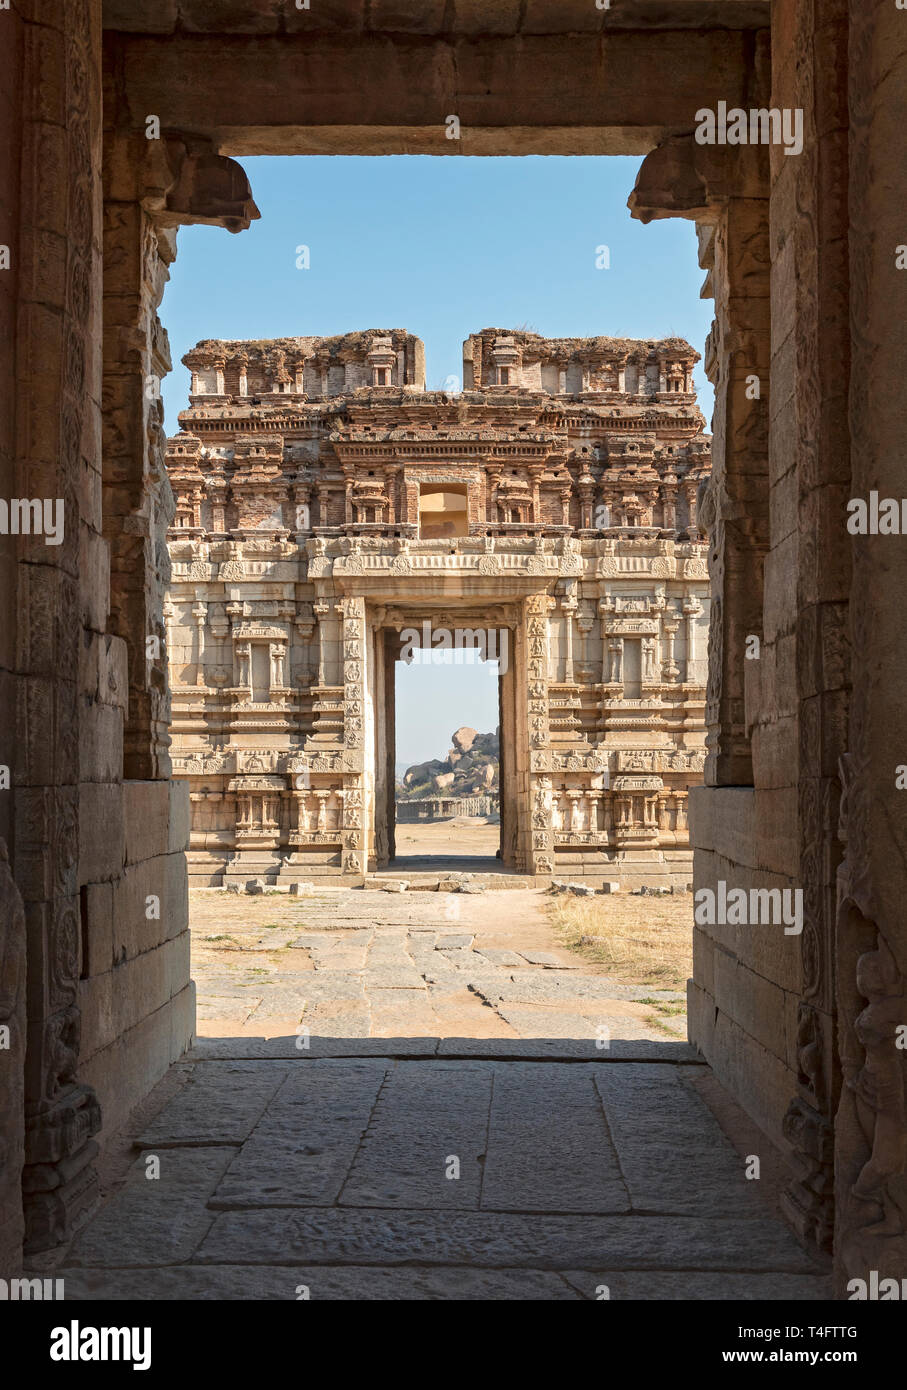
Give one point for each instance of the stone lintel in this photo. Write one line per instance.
(510, 96)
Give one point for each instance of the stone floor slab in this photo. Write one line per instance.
(301, 1152)
(280, 1048)
(673, 1154)
(220, 1103)
(274, 1283)
(155, 1221)
(495, 1239)
(426, 1141)
(566, 1166)
(698, 1285)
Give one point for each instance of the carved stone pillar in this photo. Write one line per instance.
(322, 611)
(355, 696)
(691, 609)
(605, 609)
(727, 189)
(200, 614)
(568, 608)
(670, 669)
(541, 855)
(151, 188)
(243, 660)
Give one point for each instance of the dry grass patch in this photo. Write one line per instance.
(645, 941)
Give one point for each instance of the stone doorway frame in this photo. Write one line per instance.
(386, 646)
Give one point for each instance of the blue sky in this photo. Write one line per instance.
(440, 246)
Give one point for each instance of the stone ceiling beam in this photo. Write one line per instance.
(465, 18)
(571, 94)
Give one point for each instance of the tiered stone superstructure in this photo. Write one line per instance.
(326, 502)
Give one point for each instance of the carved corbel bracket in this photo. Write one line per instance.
(186, 182)
(681, 178)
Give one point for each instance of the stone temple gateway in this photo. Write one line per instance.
(326, 502)
(800, 254)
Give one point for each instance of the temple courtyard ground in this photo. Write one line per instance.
(438, 1095)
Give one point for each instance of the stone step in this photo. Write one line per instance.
(428, 882)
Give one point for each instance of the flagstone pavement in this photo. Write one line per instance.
(402, 1096)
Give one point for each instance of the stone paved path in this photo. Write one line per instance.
(450, 1129)
(390, 1177)
(374, 964)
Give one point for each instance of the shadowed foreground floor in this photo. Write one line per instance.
(476, 1113)
(366, 1177)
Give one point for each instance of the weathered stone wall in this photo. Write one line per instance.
(12, 920)
(773, 238)
(99, 904)
(870, 941)
(781, 1055)
(58, 590)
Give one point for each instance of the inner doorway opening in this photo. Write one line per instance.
(445, 804)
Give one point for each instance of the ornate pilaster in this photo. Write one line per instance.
(355, 849)
(537, 608)
(151, 187)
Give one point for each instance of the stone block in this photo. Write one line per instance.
(97, 928)
(97, 1008)
(156, 1222)
(780, 587)
(146, 809)
(553, 16)
(102, 669)
(102, 832)
(722, 819)
(762, 1084)
(301, 889)
(756, 1005)
(254, 886)
(137, 927)
(775, 823)
(180, 817)
(94, 575)
(326, 15)
(181, 1010)
(500, 1240)
(610, 886)
(126, 15)
(488, 16)
(407, 16)
(100, 743)
(776, 753)
(233, 16)
(704, 961)
(763, 947)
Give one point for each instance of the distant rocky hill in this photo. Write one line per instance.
(470, 768)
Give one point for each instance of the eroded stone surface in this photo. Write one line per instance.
(500, 1239)
(496, 971)
(514, 1171)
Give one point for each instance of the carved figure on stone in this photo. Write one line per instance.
(879, 1087)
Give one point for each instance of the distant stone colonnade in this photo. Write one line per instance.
(431, 808)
